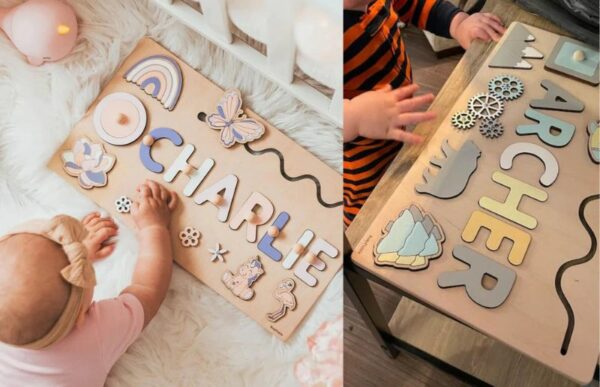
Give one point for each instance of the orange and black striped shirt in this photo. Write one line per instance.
(374, 56)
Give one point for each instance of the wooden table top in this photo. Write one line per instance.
(390, 186)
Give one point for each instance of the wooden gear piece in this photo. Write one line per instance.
(574, 59)
(410, 241)
(286, 298)
(120, 118)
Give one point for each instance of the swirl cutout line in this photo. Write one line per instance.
(574, 262)
(259, 152)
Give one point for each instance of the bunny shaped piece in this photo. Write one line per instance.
(43, 30)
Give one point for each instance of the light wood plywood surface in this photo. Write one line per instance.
(260, 173)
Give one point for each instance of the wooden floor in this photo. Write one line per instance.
(365, 364)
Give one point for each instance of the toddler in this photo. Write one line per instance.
(378, 89)
(51, 333)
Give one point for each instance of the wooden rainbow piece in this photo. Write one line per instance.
(160, 77)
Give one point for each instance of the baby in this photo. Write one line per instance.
(51, 333)
(379, 101)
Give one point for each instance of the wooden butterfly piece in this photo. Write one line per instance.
(230, 119)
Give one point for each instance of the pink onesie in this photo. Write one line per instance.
(85, 356)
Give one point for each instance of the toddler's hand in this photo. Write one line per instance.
(153, 205)
(384, 114)
(100, 230)
(484, 26)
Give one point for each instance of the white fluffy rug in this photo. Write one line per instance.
(197, 338)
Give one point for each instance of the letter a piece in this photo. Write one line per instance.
(498, 231)
(312, 260)
(544, 126)
(266, 242)
(557, 98)
(472, 279)
(196, 176)
(509, 209)
(247, 214)
(227, 184)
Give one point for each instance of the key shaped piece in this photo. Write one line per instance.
(285, 297)
(472, 279)
(557, 98)
(266, 242)
(196, 176)
(150, 140)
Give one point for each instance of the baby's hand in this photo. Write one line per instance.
(484, 26)
(384, 114)
(100, 230)
(153, 206)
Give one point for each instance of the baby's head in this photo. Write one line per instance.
(46, 282)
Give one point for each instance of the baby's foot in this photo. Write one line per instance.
(100, 231)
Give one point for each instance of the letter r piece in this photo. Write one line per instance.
(471, 279)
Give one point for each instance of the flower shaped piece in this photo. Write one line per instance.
(190, 237)
(217, 253)
(89, 163)
(123, 204)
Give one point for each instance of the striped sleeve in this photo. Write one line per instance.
(431, 15)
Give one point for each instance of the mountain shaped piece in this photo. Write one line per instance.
(515, 49)
(557, 98)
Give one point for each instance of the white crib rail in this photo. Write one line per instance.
(270, 22)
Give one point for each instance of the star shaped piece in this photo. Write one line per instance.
(217, 253)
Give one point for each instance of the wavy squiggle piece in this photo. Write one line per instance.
(259, 152)
(574, 262)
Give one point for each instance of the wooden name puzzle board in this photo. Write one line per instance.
(246, 190)
(496, 223)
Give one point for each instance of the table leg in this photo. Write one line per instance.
(360, 293)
